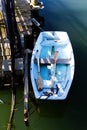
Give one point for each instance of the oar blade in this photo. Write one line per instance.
(39, 77)
(39, 82)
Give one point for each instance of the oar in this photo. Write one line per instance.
(53, 79)
(54, 69)
(12, 113)
(39, 77)
(38, 63)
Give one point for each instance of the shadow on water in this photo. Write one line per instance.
(52, 109)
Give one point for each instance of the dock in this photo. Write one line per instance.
(16, 42)
(22, 10)
(24, 25)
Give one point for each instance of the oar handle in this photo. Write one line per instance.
(38, 63)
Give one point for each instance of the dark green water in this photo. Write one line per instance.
(71, 114)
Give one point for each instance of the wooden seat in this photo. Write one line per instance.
(52, 61)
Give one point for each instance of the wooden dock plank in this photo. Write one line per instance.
(24, 24)
(23, 16)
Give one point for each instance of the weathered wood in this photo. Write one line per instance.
(26, 90)
(12, 111)
(6, 65)
(39, 76)
(24, 23)
(1, 40)
(36, 5)
(34, 2)
(23, 16)
(52, 61)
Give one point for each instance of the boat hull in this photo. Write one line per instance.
(56, 81)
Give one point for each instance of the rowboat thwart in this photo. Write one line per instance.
(52, 66)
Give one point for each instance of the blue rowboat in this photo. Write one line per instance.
(52, 66)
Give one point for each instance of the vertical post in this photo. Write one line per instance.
(26, 90)
(28, 46)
